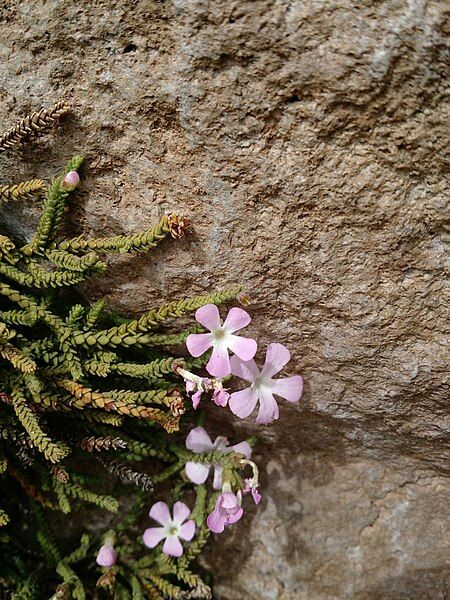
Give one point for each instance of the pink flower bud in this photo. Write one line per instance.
(70, 181)
(106, 556)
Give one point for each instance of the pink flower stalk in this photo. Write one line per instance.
(70, 181)
(226, 511)
(221, 338)
(106, 556)
(251, 486)
(172, 528)
(263, 386)
(199, 441)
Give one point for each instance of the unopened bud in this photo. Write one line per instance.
(106, 556)
(70, 181)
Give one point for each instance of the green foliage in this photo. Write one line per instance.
(85, 397)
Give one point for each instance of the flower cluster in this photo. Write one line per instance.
(263, 387)
(202, 454)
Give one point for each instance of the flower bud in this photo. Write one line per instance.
(70, 181)
(106, 556)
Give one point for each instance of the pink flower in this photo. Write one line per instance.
(250, 486)
(226, 512)
(263, 386)
(70, 181)
(172, 528)
(221, 338)
(199, 441)
(106, 556)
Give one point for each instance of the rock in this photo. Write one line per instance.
(307, 143)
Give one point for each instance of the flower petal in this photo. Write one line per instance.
(217, 483)
(289, 388)
(243, 448)
(243, 402)
(198, 440)
(180, 512)
(277, 356)
(221, 397)
(236, 319)
(198, 343)
(160, 512)
(256, 496)
(187, 531)
(244, 369)
(228, 500)
(172, 546)
(243, 347)
(209, 317)
(268, 408)
(216, 521)
(196, 399)
(219, 363)
(153, 536)
(197, 472)
(235, 516)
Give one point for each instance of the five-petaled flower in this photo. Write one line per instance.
(199, 441)
(221, 338)
(172, 528)
(263, 386)
(226, 511)
(106, 556)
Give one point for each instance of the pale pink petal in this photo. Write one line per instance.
(153, 536)
(233, 518)
(244, 348)
(180, 512)
(228, 500)
(289, 388)
(243, 402)
(190, 386)
(245, 370)
(236, 319)
(196, 399)
(172, 546)
(243, 448)
(216, 522)
(277, 356)
(160, 512)
(256, 496)
(198, 343)
(268, 408)
(209, 317)
(196, 472)
(198, 440)
(219, 363)
(217, 482)
(187, 531)
(221, 397)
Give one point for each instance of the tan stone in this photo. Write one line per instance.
(306, 140)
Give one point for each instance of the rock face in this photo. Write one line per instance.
(306, 141)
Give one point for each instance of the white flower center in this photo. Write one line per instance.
(262, 382)
(172, 528)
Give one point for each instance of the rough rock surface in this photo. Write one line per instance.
(306, 140)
